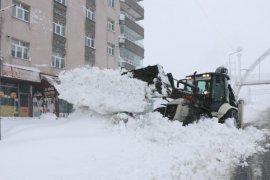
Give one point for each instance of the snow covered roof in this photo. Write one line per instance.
(22, 67)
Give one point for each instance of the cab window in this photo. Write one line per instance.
(218, 92)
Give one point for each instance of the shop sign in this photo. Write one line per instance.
(7, 110)
(50, 91)
(49, 100)
(24, 111)
(19, 73)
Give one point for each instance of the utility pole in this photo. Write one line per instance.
(1, 59)
(236, 81)
(239, 68)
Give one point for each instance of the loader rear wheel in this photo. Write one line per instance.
(232, 113)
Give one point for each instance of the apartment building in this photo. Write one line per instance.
(41, 38)
(132, 34)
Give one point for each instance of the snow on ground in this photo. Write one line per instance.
(93, 144)
(88, 146)
(256, 113)
(102, 91)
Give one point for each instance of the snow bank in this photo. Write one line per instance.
(207, 150)
(102, 91)
(88, 146)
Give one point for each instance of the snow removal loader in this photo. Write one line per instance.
(197, 96)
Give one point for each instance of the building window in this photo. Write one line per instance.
(59, 28)
(110, 25)
(61, 1)
(19, 49)
(58, 61)
(89, 41)
(110, 49)
(90, 14)
(21, 11)
(110, 3)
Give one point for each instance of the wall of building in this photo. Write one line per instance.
(103, 12)
(75, 33)
(43, 43)
(38, 33)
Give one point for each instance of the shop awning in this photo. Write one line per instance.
(20, 72)
(52, 80)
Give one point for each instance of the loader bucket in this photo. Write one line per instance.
(152, 75)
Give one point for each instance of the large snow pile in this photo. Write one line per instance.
(87, 146)
(102, 91)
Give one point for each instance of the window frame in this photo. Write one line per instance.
(90, 41)
(110, 25)
(110, 49)
(58, 61)
(24, 49)
(61, 27)
(64, 2)
(90, 14)
(110, 3)
(23, 9)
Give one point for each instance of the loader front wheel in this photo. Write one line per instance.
(232, 113)
(161, 110)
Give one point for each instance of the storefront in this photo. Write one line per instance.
(25, 92)
(15, 90)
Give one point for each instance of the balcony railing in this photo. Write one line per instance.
(124, 36)
(124, 15)
(131, 62)
(134, 8)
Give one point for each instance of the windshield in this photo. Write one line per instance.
(203, 85)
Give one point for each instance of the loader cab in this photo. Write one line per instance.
(212, 89)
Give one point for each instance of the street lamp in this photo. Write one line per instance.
(235, 52)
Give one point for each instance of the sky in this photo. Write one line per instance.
(185, 36)
(188, 35)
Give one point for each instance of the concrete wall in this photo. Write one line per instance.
(103, 12)
(38, 33)
(75, 33)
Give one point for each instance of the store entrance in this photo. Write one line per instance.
(24, 104)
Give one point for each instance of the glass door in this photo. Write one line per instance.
(24, 104)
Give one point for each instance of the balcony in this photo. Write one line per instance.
(133, 8)
(136, 48)
(126, 20)
(129, 64)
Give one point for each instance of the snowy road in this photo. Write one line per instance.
(258, 165)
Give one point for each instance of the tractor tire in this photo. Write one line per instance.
(195, 115)
(161, 110)
(232, 113)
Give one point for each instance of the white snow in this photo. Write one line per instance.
(164, 79)
(102, 91)
(93, 144)
(22, 67)
(89, 146)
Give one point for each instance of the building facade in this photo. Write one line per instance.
(41, 38)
